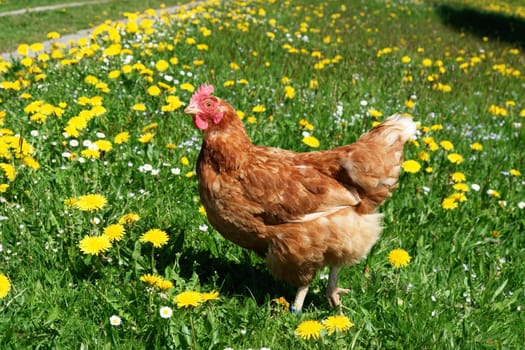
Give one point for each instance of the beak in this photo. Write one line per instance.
(192, 109)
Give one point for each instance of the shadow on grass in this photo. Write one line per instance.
(244, 278)
(493, 25)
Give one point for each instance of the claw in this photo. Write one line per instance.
(333, 296)
(333, 291)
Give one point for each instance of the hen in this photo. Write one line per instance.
(298, 211)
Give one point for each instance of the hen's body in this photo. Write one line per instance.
(300, 211)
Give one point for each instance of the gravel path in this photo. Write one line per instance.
(86, 33)
(49, 8)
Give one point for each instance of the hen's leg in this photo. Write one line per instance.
(299, 299)
(332, 290)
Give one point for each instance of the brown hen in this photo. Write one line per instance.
(298, 211)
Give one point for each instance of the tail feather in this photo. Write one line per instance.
(373, 163)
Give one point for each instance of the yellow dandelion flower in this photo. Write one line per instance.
(70, 202)
(187, 299)
(411, 166)
(53, 35)
(449, 203)
(259, 109)
(311, 141)
(495, 234)
(121, 138)
(374, 113)
(103, 145)
(90, 153)
(213, 295)
(156, 237)
(424, 156)
(147, 137)
(129, 218)
(187, 87)
(94, 244)
(289, 92)
(476, 146)
(114, 74)
(150, 279)
(515, 172)
(161, 65)
(9, 171)
(447, 145)
(153, 90)
(399, 258)
(458, 196)
(5, 286)
(309, 329)
(493, 193)
(455, 158)
(3, 188)
(458, 177)
(410, 104)
(115, 232)
(163, 284)
(463, 187)
(282, 301)
(234, 66)
(184, 161)
(337, 323)
(91, 202)
(202, 211)
(139, 107)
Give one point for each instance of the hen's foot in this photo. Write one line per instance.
(333, 296)
(297, 305)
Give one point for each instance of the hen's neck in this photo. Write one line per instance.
(225, 145)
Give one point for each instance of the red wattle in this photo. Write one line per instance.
(200, 122)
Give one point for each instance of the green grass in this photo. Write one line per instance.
(33, 27)
(463, 288)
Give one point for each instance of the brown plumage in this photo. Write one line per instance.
(298, 211)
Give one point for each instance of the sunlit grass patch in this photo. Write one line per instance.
(101, 226)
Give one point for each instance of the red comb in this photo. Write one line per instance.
(204, 90)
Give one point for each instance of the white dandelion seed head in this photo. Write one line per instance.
(34, 133)
(475, 187)
(73, 143)
(175, 171)
(521, 205)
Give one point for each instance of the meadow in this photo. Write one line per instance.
(103, 240)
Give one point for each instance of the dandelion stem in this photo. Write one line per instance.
(153, 258)
(193, 333)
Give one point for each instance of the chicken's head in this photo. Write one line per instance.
(205, 108)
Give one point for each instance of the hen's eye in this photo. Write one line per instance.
(207, 104)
